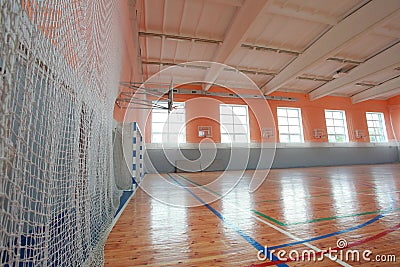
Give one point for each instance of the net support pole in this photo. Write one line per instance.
(141, 158)
(135, 160)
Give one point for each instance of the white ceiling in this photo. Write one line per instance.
(282, 45)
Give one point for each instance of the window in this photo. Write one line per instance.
(289, 125)
(169, 127)
(234, 121)
(336, 126)
(376, 127)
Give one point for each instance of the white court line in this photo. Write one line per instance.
(275, 227)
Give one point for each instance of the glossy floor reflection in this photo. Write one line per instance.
(212, 219)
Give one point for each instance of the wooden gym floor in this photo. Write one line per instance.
(350, 209)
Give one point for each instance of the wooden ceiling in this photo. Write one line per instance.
(343, 47)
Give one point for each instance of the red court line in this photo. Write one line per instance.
(388, 231)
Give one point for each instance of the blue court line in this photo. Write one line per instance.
(327, 235)
(331, 234)
(122, 200)
(249, 239)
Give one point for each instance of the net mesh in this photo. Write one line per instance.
(59, 65)
(123, 156)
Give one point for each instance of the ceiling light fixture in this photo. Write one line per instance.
(339, 74)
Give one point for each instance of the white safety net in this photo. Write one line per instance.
(59, 67)
(123, 150)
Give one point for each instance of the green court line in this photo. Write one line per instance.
(295, 223)
(212, 191)
(268, 218)
(342, 216)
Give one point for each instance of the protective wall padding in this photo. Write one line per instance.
(157, 162)
(59, 67)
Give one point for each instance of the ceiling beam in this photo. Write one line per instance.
(270, 48)
(345, 60)
(184, 63)
(377, 91)
(237, 3)
(388, 59)
(179, 37)
(163, 29)
(315, 78)
(245, 18)
(361, 21)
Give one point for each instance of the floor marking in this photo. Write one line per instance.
(249, 239)
(295, 223)
(278, 229)
(268, 218)
(125, 196)
(356, 243)
(327, 188)
(363, 192)
(325, 218)
(277, 200)
(343, 216)
(218, 194)
(117, 215)
(331, 234)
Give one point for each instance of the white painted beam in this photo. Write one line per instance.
(163, 30)
(236, 35)
(377, 91)
(388, 59)
(361, 21)
(162, 48)
(132, 39)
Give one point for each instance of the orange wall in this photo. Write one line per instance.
(314, 118)
(130, 70)
(394, 111)
(204, 111)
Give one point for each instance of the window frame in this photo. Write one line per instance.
(346, 132)
(289, 134)
(233, 135)
(168, 135)
(382, 126)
